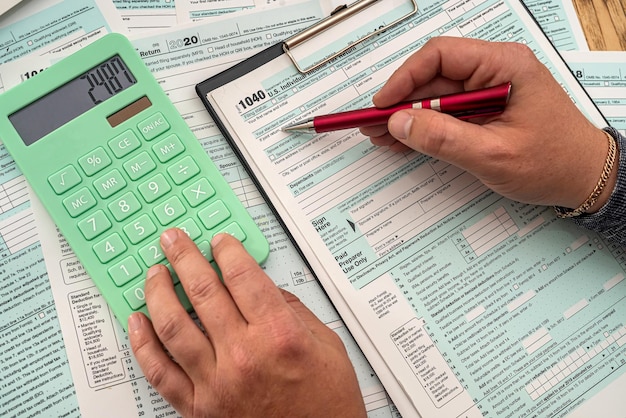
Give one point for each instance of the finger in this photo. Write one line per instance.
(472, 61)
(383, 141)
(443, 136)
(173, 325)
(162, 373)
(374, 131)
(252, 290)
(392, 143)
(210, 299)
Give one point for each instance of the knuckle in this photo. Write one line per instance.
(236, 272)
(155, 373)
(169, 327)
(177, 254)
(290, 343)
(202, 286)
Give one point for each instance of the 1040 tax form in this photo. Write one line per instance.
(474, 305)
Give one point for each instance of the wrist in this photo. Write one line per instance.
(610, 183)
(604, 186)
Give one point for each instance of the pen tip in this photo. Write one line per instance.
(300, 126)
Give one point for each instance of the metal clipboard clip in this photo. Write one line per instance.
(340, 14)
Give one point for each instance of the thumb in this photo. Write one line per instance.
(439, 135)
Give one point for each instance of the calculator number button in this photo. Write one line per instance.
(64, 179)
(140, 229)
(94, 225)
(124, 144)
(109, 184)
(153, 126)
(152, 253)
(139, 166)
(169, 211)
(183, 170)
(198, 192)
(109, 248)
(124, 206)
(190, 228)
(168, 148)
(154, 188)
(79, 202)
(125, 271)
(95, 161)
(214, 214)
(135, 296)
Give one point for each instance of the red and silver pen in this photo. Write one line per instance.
(466, 105)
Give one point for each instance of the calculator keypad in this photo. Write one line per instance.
(131, 185)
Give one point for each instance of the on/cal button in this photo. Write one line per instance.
(153, 126)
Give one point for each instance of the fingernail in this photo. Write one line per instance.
(216, 239)
(400, 125)
(152, 271)
(168, 238)
(134, 322)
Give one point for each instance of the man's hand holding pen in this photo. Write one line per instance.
(540, 150)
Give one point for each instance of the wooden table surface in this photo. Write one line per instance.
(604, 23)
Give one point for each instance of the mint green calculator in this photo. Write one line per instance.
(115, 165)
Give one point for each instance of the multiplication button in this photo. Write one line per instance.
(198, 192)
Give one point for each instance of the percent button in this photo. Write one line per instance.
(94, 161)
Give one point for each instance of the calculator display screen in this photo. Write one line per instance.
(72, 99)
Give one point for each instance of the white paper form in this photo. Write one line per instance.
(48, 24)
(34, 376)
(104, 370)
(147, 14)
(603, 75)
(480, 306)
(560, 23)
(190, 10)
